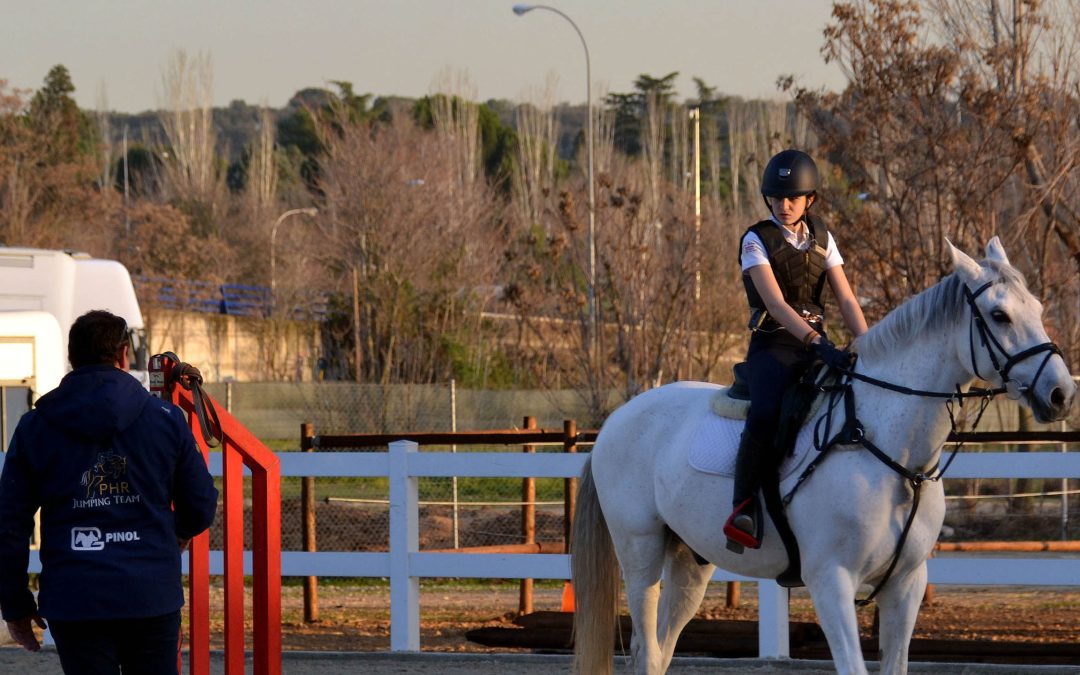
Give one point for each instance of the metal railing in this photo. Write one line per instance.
(239, 449)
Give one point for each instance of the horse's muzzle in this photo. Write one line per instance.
(1055, 405)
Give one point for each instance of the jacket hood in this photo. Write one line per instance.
(94, 402)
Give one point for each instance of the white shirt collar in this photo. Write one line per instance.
(799, 238)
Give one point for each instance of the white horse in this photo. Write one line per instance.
(642, 507)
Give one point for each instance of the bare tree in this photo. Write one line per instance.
(537, 139)
(104, 140)
(262, 170)
(18, 155)
(401, 210)
(959, 124)
(191, 170)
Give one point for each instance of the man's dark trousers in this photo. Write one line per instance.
(145, 646)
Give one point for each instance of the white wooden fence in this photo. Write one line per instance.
(405, 564)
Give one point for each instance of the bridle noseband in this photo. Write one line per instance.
(1012, 388)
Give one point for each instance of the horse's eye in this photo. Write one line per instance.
(1000, 316)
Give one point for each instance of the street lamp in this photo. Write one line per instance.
(521, 9)
(311, 211)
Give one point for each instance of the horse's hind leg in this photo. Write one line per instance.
(684, 586)
(899, 603)
(641, 557)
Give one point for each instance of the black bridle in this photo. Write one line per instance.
(1013, 389)
(854, 433)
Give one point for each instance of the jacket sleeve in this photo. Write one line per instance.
(19, 500)
(194, 495)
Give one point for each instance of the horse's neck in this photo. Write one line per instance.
(910, 429)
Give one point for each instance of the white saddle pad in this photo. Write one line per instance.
(715, 442)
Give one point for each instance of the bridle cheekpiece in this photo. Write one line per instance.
(1013, 389)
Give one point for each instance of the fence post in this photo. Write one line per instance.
(307, 507)
(569, 484)
(773, 632)
(404, 542)
(528, 523)
(733, 595)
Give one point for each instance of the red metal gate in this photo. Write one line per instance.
(239, 448)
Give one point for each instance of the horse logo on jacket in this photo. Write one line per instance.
(105, 476)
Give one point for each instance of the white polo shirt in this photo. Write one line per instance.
(753, 251)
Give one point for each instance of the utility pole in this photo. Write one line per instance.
(695, 115)
(356, 322)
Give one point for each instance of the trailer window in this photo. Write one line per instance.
(14, 403)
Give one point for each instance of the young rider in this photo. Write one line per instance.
(786, 261)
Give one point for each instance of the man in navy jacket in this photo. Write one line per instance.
(122, 489)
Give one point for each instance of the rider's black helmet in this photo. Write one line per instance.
(790, 173)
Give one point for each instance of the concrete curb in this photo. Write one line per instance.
(325, 663)
(734, 665)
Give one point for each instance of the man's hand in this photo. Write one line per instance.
(833, 357)
(183, 543)
(22, 631)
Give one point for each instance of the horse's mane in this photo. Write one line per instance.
(937, 307)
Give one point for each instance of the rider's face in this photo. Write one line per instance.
(790, 210)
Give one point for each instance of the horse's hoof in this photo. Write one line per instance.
(735, 547)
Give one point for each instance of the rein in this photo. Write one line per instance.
(854, 433)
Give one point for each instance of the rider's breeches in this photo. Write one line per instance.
(775, 362)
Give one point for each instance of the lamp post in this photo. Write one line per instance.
(521, 9)
(311, 211)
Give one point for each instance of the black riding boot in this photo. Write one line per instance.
(743, 528)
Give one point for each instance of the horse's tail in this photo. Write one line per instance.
(595, 572)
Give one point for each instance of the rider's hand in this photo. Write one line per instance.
(22, 631)
(833, 357)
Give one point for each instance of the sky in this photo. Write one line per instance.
(263, 51)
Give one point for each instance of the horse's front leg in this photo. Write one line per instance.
(899, 603)
(833, 592)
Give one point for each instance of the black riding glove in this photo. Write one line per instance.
(830, 355)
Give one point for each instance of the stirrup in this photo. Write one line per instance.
(741, 529)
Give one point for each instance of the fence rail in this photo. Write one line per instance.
(405, 564)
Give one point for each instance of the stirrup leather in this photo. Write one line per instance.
(743, 526)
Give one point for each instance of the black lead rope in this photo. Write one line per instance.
(189, 377)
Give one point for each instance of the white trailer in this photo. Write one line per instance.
(42, 292)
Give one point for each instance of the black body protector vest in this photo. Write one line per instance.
(800, 274)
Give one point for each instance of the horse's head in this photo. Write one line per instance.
(1007, 344)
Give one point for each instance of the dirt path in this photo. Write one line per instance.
(357, 618)
(353, 633)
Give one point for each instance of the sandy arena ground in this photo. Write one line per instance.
(356, 619)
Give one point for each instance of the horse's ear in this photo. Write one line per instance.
(995, 251)
(964, 264)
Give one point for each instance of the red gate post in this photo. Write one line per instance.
(198, 585)
(266, 551)
(232, 473)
